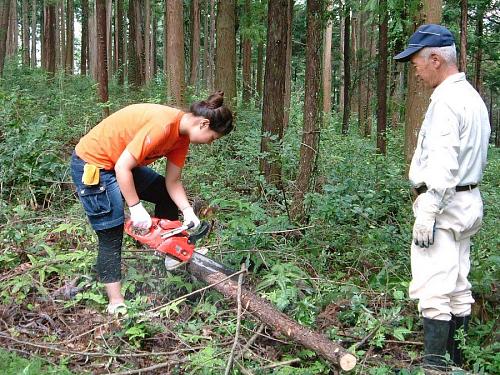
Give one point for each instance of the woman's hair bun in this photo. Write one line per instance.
(215, 100)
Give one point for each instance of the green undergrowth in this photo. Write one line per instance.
(345, 273)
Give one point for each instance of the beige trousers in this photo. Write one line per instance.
(439, 273)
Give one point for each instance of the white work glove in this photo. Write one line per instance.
(189, 216)
(423, 230)
(139, 216)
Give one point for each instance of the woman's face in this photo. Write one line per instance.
(202, 134)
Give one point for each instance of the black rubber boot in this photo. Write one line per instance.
(456, 323)
(435, 340)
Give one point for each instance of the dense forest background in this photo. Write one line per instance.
(310, 191)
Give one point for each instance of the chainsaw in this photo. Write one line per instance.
(171, 239)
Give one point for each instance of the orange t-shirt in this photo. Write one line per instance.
(147, 131)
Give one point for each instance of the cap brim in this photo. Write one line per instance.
(406, 54)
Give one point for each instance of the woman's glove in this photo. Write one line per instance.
(189, 216)
(139, 216)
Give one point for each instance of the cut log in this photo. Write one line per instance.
(275, 319)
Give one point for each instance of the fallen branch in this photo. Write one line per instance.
(268, 314)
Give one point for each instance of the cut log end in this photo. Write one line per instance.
(347, 362)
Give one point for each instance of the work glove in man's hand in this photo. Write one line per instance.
(423, 230)
(139, 216)
(190, 217)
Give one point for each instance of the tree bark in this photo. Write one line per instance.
(49, 38)
(175, 52)
(33, 33)
(275, 319)
(312, 113)
(247, 56)
(260, 69)
(382, 78)
(417, 99)
(102, 61)
(70, 27)
(327, 64)
(195, 42)
(135, 45)
(13, 32)
(211, 55)
(347, 71)
(288, 67)
(462, 63)
(109, 39)
(147, 40)
(84, 55)
(479, 51)
(119, 43)
(25, 30)
(225, 53)
(364, 74)
(4, 26)
(273, 108)
(93, 44)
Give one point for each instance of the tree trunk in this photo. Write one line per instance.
(49, 38)
(479, 51)
(288, 67)
(13, 32)
(25, 33)
(417, 99)
(247, 56)
(70, 34)
(58, 36)
(225, 53)
(211, 55)
(327, 65)
(85, 38)
(195, 41)
(147, 40)
(342, 58)
(33, 33)
(347, 71)
(273, 108)
(312, 113)
(102, 63)
(154, 35)
(109, 42)
(275, 319)
(260, 69)
(462, 63)
(364, 74)
(382, 78)
(135, 45)
(4, 26)
(119, 43)
(93, 44)
(175, 52)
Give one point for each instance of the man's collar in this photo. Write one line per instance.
(457, 77)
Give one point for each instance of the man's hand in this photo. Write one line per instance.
(423, 230)
(139, 216)
(189, 216)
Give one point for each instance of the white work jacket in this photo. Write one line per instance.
(452, 143)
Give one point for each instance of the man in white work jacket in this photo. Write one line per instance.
(446, 168)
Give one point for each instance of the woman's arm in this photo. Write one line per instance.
(123, 168)
(174, 186)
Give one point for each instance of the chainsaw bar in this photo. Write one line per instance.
(209, 264)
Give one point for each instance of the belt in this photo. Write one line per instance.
(423, 188)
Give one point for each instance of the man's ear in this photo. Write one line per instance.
(436, 60)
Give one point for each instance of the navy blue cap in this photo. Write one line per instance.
(426, 36)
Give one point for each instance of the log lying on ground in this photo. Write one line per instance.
(266, 313)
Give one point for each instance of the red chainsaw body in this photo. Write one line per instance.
(157, 238)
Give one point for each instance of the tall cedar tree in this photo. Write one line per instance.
(102, 61)
(84, 54)
(69, 59)
(175, 52)
(312, 112)
(33, 33)
(25, 34)
(462, 63)
(247, 57)
(119, 43)
(327, 63)
(273, 114)
(382, 78)
(135, 45)
(418, 96)
(288, 66)
(49, 38)
(4, 22)
(225, 54)
(195, 41)
(347, 70)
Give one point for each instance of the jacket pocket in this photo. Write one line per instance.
(95, 200)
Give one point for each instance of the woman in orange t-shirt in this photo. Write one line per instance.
(109, 166)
